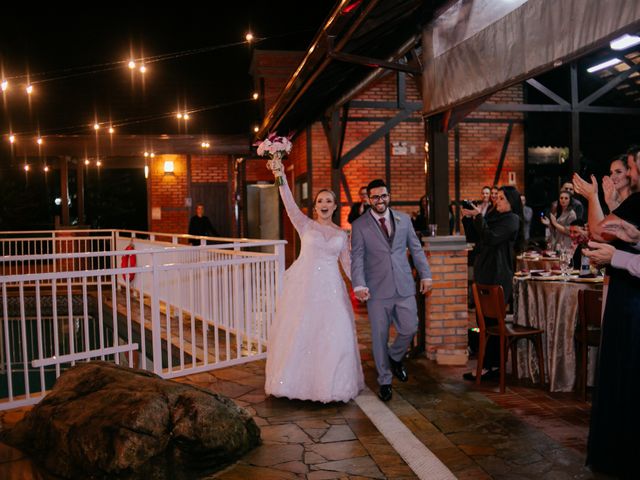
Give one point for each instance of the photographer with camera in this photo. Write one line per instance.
(500, 235)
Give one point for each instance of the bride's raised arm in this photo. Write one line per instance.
(298, 219)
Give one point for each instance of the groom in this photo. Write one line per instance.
(381, 275)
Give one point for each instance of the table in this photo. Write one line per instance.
(553, 306)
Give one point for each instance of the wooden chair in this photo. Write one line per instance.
(489, 300)
(587, 334)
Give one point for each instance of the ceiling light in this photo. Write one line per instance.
(603, 65)
(624, 42)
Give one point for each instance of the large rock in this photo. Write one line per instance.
(105, 421)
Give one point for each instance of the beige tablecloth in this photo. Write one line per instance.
(553, 306)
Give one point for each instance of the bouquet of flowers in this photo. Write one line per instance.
(276, 148)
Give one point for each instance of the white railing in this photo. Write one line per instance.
(180, 310)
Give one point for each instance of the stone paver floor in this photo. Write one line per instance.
(477, 433)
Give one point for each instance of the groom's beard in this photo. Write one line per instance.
(380, 207)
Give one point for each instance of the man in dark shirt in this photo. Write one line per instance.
(201, 225)
(360, 207)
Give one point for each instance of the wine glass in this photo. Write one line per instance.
(566, 257)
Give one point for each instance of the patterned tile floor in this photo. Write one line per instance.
(476, 432)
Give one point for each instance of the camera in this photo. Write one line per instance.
(467, 204)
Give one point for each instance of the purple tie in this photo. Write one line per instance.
(383, 224)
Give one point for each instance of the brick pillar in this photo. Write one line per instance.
(447, 305)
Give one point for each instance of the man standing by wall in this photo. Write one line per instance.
(201, 225)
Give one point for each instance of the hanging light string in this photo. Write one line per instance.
(128, 121)
(78, 71)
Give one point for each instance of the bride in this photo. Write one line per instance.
(312, 352)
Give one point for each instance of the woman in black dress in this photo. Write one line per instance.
(499, 236)
(614, 434)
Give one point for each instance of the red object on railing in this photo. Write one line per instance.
(129, 261)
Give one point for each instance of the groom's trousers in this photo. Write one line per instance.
(403, 312)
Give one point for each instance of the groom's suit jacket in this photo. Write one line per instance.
(380, 263)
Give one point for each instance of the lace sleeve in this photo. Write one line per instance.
(345, 258)
(298, 219)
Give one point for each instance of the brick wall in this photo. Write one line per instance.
(446, 305)
(168, 193)
(481, 145)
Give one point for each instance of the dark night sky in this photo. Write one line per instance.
(57, 42)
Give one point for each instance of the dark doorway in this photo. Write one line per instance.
(215, 198)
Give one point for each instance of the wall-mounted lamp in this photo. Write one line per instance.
(146, 171)
(168, 167)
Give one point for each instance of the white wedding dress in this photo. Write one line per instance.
(312, 351)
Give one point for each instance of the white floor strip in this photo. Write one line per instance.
(419, 458)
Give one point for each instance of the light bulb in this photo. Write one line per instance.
(146, 154)
(4, 85)
(143, 69)
(29, 89)
(132, 64)
(98, 163)
(179, 115)
(86, 161)
(46, 168)
(27, 168)
(112, 130)
(249, 37)
(186, 116)
(12, 138)
(39, 141)
(256, 129)
(96, 126)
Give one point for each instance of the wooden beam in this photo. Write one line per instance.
(503, 153)
(546, 91)
(610, 85)
(374, 137)
(373, 62)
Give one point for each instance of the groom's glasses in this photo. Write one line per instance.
(375, 198)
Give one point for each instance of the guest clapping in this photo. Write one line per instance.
(559, 225)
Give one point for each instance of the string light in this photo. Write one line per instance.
(46, 168)
(12, 139)
(86, 161)
(4, 85)
(29, 89)
(179, 115)
(143, 69)
(255, 95)
(256, 129)
(249, 37)
(112, 130)
(39, 141)
(96, 126)
(186, 116)
(26, 167)
(146, 154)
(98, 163)
(132, 64)
(152, 155)
(205, 145)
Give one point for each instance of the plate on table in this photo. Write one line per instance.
(586, 279)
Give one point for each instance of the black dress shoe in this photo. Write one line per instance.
(385, 393)
(397, 368)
